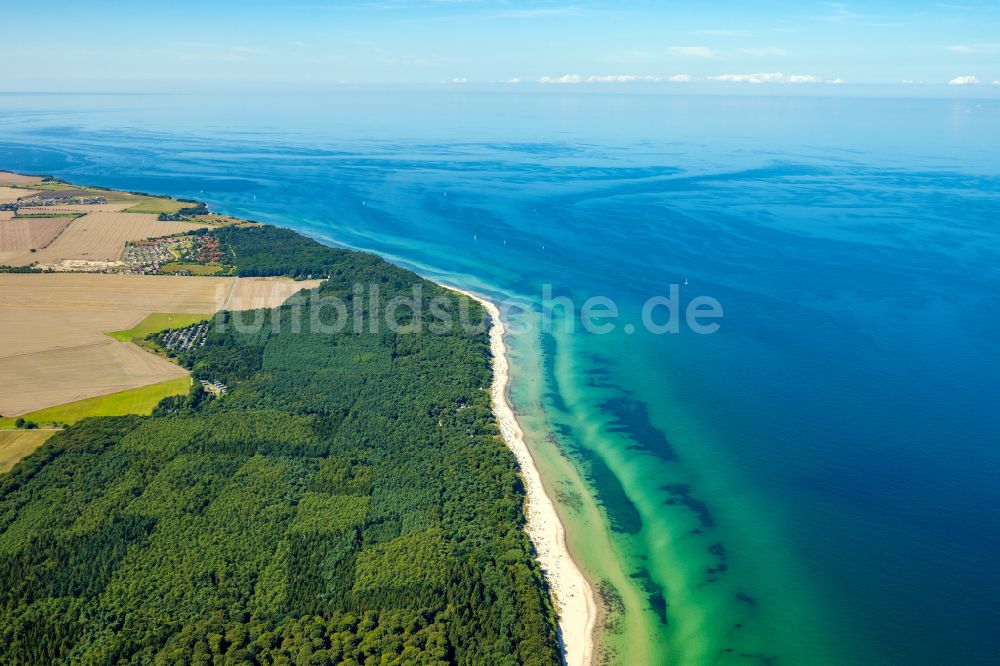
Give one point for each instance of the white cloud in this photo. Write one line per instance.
(996, 83)
(620, 78)
(516, 79)
(692, 51)
(565, 78)
(771, 77)
(963, 81)
(604, 78)
(460, 80)
(765, 51)
(680, 78)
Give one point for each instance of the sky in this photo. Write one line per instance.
(112, 46)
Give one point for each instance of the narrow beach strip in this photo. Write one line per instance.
(573, 596)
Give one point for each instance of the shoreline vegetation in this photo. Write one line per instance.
(573, 594)
(382, 514)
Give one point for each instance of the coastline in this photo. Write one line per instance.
(573, 596)
(380, 473)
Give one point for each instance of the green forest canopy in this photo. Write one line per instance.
(349, 501)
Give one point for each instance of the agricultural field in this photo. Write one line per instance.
(16, 444)
(140, 401)
(195, 269)
(217, 220)
(8, 178)
(125, 299)
(143, 202)
(54, 346)
(74, 209)
(19, 234)
(57, 376)
(49, 185)
(252, 293)
(156, 205)
(100, 237)
(12, 194)
(76, 190)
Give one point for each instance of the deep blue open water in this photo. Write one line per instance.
(836, 444)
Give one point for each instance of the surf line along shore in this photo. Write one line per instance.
(574, 598)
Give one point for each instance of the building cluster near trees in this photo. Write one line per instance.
(214, 387)
(58, 198)
(150, 255)
(203, 248)
(184, 339)
(143, 256)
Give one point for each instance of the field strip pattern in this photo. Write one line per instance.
(19, 234)
(8, 178)
(12, 194)
(53, 347)
(53, 344)
(253, 293)
(58, 376)
(102, 236)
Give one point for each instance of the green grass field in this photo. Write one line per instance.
(133, 401)
(156, 322)
(53, 185)
(196, 269)
(59, 186)
(155, 205)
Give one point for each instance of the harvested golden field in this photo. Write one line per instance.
(253, 293)
(135, 296)
(29, 330)
(102, 236)
(53, 343)
(53, 377)
(16, 444)
(53, 347)
(69, 209)
(8, 178)
(25, 233)
(11, 194)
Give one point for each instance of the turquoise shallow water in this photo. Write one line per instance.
(815, 483)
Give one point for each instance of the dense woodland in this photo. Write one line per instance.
(349, 501)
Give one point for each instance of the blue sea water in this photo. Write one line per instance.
(834, 445)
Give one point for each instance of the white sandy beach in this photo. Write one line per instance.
(573, 596)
